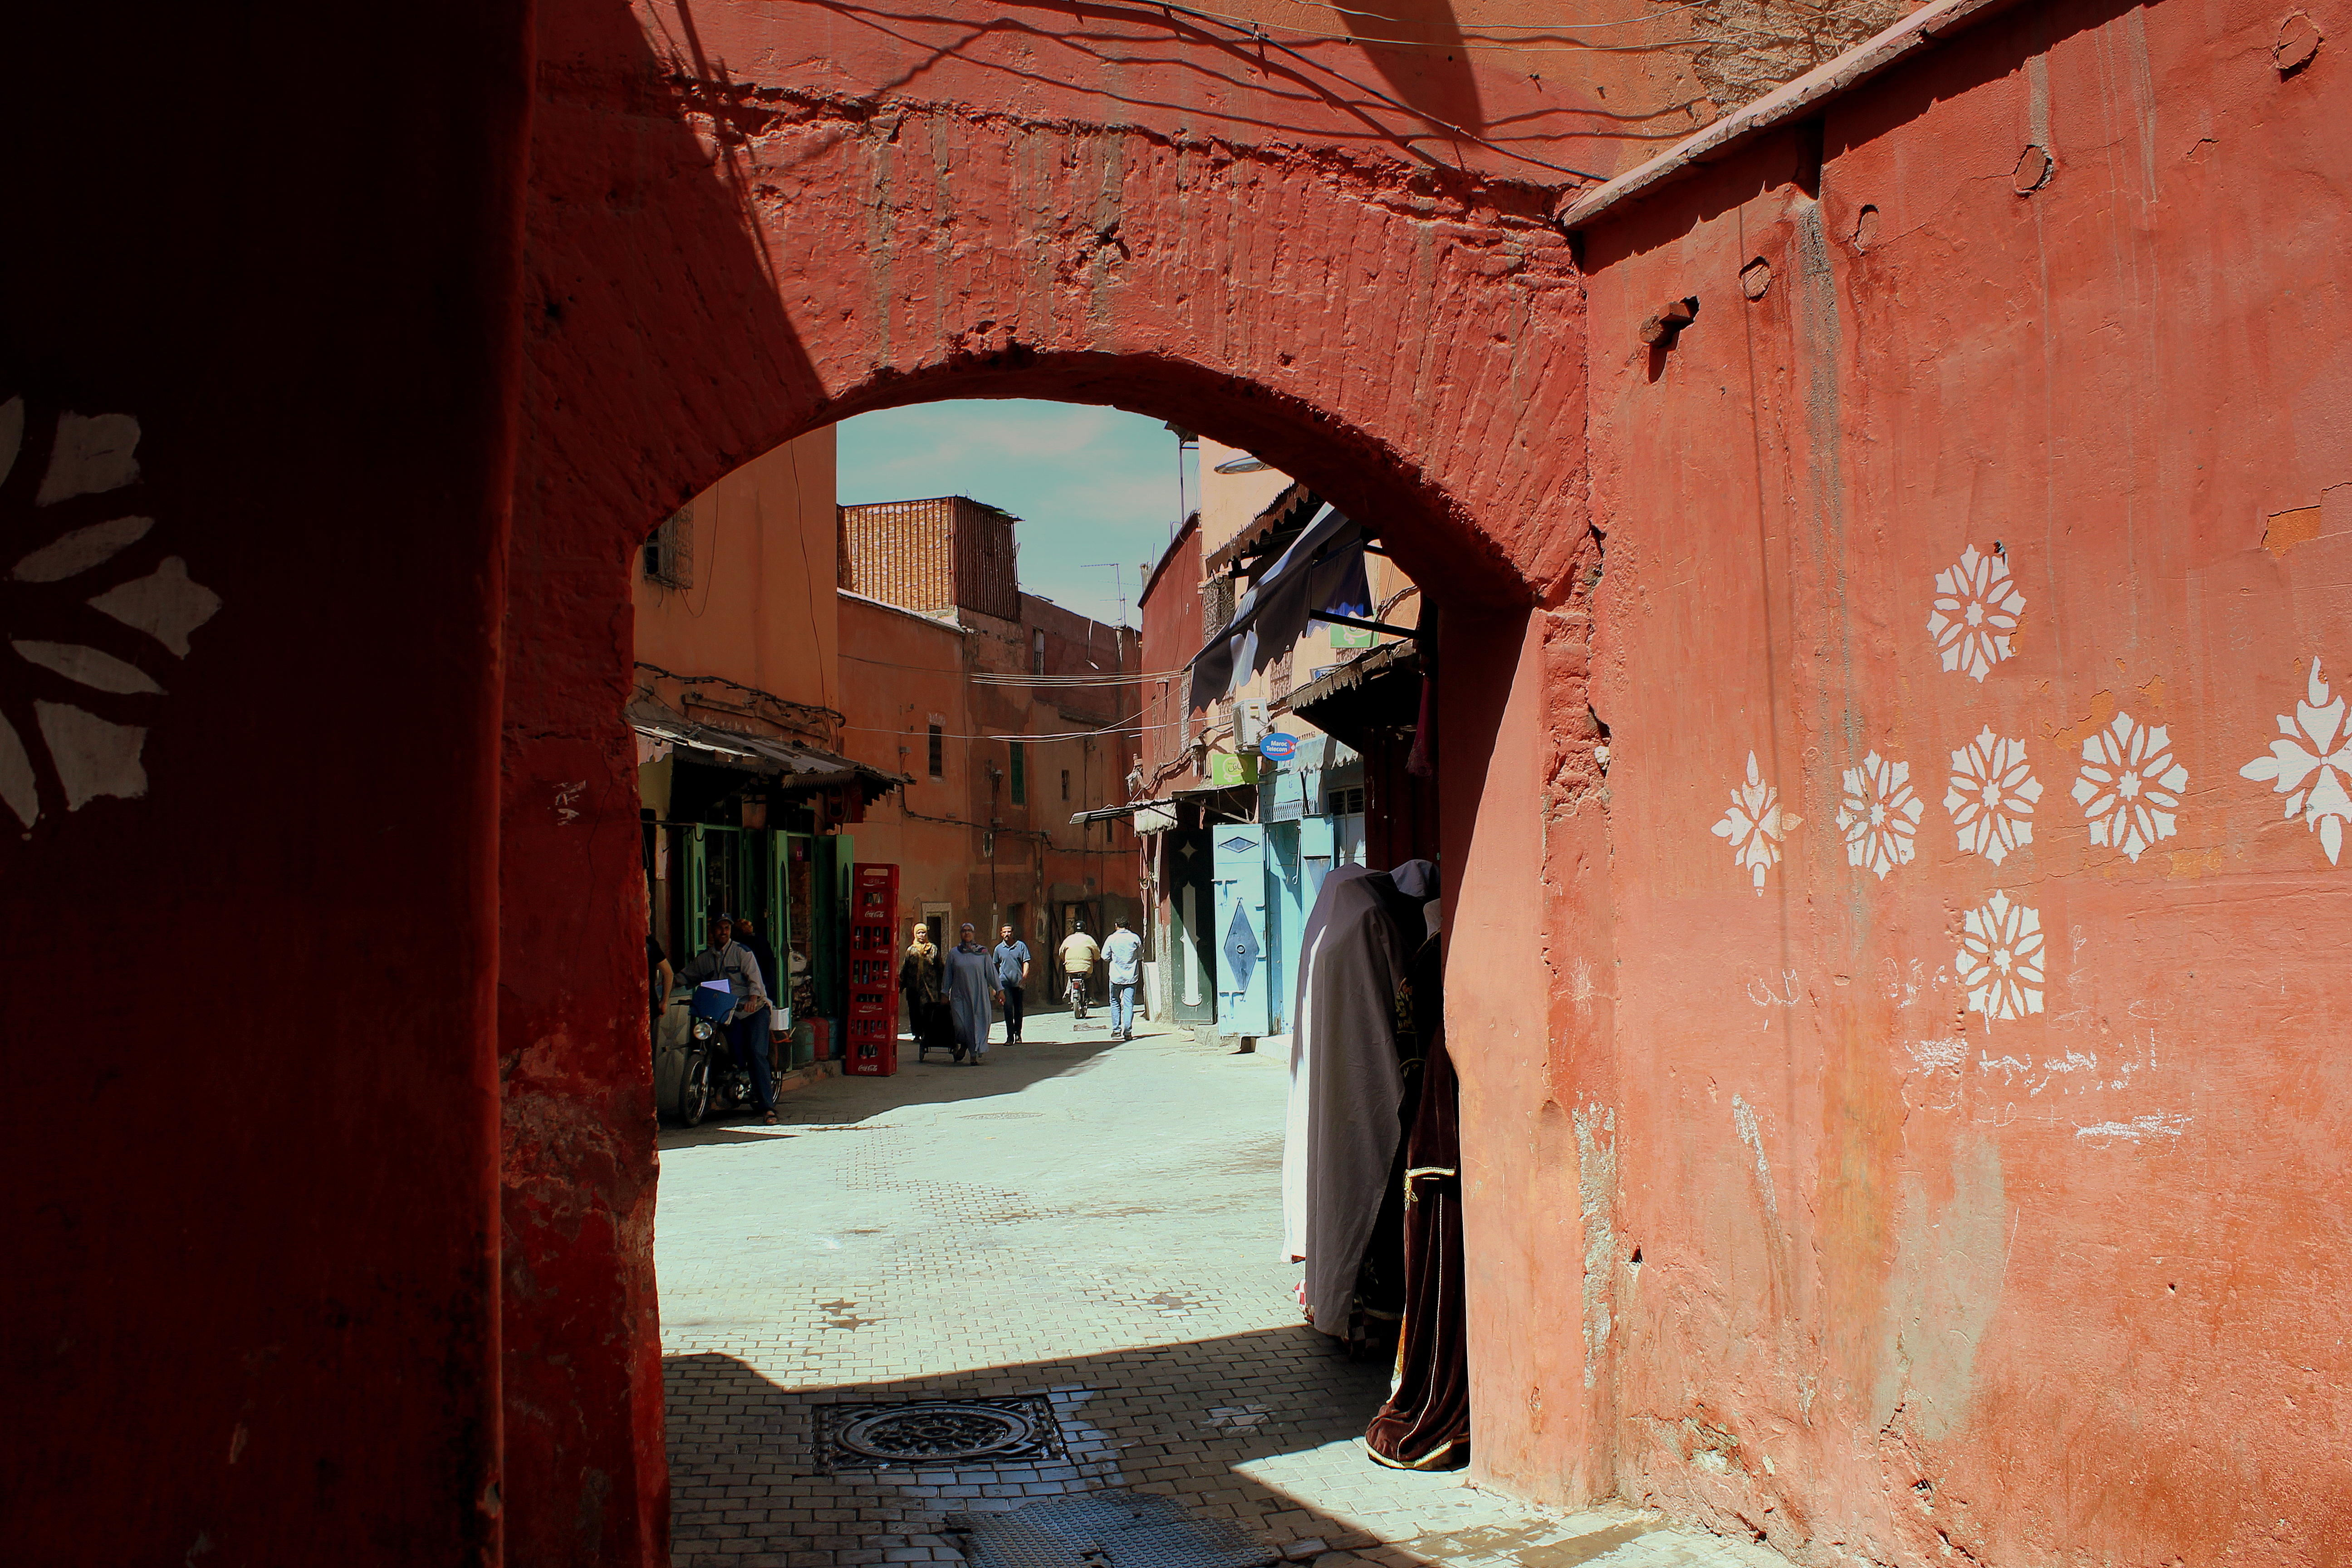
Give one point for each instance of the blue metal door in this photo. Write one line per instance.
(1314, 846)
(1237, 866)
(1285, 917)
(1191, 956)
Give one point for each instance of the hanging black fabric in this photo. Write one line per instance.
(1425, 1425)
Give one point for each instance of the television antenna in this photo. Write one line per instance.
(1118, 569)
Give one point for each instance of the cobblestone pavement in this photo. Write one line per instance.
(1083, 1221)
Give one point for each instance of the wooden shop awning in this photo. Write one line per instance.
(795, 765)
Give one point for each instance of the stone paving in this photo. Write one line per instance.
(1089, 1222)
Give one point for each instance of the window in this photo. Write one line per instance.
(1066, 784)
(1216, 605)
(669, 551)
(1019, 773)
(1037, 651)
(1347, 802)
(938, 753)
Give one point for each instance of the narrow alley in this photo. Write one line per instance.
(1082, 1234)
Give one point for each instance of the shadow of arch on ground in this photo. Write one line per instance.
(1258, 1428)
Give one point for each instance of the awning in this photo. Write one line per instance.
(797, 766)
(1151, 816)
(1373, 691)
(1285, 515)
(1323, 571)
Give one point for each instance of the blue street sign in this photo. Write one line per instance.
(1276, 747)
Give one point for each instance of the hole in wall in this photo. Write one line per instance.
(1865, 229)
(2034, 168)
(2298, 40)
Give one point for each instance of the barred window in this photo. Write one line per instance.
(669, 550)
(1281, 687)
(1066, 784)
(1216, 605)
(938, 753)
(1019, 773)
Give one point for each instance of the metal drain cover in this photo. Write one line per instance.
(931, 1433)
(1107, 1529)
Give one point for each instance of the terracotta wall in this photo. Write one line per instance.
(249, 857)
(759, 608)
(897, 669)
(1170, 614)
(1973, 642)
(961, 840)
(2130, 373)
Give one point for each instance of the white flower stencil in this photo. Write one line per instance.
(1755, 826)
(1999, 962)
(1991, 795)
(2312, 765)
(2130, 786)
(1879, 816)
(1975, 613)
(69, 604)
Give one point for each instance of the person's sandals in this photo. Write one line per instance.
(769, 1119)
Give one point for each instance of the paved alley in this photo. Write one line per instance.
(1083, 1233)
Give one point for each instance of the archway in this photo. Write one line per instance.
(1422, 361)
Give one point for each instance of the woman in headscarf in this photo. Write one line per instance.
(922, 974)
(971, 980)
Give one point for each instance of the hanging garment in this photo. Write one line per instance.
(970, 984)
(1425, 1425)
(1340, 1135)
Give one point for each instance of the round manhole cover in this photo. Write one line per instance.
(936, 1432)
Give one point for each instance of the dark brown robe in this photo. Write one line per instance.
(1425, 1425)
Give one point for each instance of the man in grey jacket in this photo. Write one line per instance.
(747, 1027)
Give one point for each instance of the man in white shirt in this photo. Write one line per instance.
(1122, 953)
(1079, 955)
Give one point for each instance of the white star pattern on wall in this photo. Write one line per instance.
(2310, 767)
(1991, 796)
(1975, 613)
(1879, 816)
(2130, 786)
(90, 749)
(1755, 826)
(2000, 960)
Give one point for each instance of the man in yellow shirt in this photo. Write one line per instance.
(1078, 955)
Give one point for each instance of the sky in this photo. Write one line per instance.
(1089, 485)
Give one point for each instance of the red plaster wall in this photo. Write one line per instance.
(720, 257)
(730, 239)
(249, 1298)
(1918, 1279)
(1169, 612)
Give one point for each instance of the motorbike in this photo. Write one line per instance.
(683, 1044)
(694, 1072)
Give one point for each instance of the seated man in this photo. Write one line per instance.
(747, 1027)
(1078, 954)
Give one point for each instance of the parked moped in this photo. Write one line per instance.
(692, 1066)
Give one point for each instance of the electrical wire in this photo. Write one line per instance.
(1567, 46)
(1117, 727)
(1516, 26)
(1255, 31)
(1258, 34)
(833, 714)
